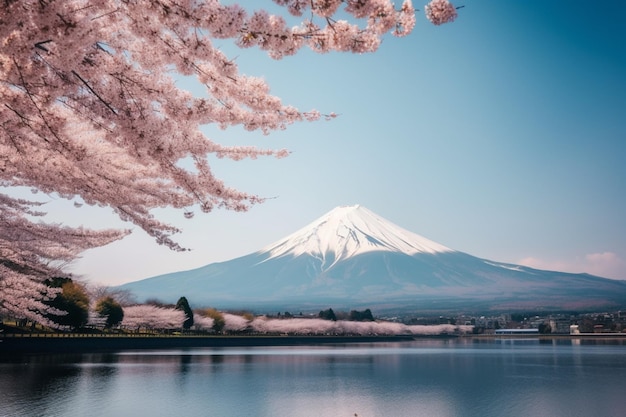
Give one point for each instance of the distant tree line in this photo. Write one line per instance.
(354, 315)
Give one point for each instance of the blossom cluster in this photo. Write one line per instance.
(440, 12)
(324, 34)
(201, 322)
(23, 298)
(149, 317)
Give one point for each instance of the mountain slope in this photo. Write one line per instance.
(352, 258)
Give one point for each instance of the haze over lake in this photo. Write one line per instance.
(430, 377)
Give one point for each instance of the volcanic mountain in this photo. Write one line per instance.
(352, 258)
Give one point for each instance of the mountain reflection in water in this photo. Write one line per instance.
(461, 377)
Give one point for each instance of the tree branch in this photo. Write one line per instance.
(94, 92)
(40, 45)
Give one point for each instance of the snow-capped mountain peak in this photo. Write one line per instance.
(347, 231)
(352, 257)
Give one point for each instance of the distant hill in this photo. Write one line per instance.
(352, 258)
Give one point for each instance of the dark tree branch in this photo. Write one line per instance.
(94, 92)
(41, 44)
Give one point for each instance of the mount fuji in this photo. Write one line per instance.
(353, 258)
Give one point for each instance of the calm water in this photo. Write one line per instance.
(433, 378)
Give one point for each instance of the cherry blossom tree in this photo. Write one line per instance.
(213, 314)
(203, 323)
(235, 322)
(150, 317)
(32, 252)
(91, 111)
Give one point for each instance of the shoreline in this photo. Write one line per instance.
(93, 343)
(80, 343)
(550, 336)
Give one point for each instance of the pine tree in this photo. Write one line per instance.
(183, 305)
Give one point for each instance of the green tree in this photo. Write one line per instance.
(73, 299)
(545, 328)
(218, 319)
(365, 315)
(183, 305)
(111, 309)
(328, 315)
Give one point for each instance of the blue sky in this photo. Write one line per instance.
(502, 135)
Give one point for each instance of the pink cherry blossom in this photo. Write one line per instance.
(263, 324)
(440, 12)
(149, 317)
(31, 252)
(201, 322)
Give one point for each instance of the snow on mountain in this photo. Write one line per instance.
(347, 231)
(352, 257)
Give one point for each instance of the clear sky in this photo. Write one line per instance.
(502, 135)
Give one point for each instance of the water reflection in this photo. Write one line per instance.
(42, 383)
(466, 377)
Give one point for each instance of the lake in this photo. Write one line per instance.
(429, 377)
